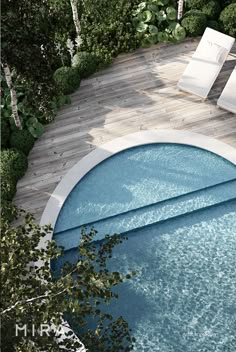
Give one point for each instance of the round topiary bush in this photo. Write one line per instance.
(195, 4)
(194, 22)
(5, 133)
(22, 140)
(8, 188)
(85, 63)
(227, 19)
(67, 79)
(13, 164)
(211, 9)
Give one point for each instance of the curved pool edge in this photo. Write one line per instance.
(83, 166)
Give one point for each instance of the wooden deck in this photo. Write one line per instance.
(137, 92)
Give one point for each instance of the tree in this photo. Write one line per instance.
(74, 8)
(8, 75)
(32, 295)
(180, 9)
(27, 41)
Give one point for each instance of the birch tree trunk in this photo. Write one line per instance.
(75, 16)
(10, 85)
(180, 9)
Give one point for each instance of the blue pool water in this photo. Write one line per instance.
(177, 206)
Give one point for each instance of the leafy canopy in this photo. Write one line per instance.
(31, 294)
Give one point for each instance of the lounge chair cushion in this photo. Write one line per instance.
(212, 51)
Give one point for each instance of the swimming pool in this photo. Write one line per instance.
(177, 205)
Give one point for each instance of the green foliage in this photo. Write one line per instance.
(211, 9)
(22, 140)
(8, 211)
(194, 22)
(227, 20)
(67, 79)
(214, 25)
(8, 188)
(156, 21)
(31, 294)
(107, 28)
(224, 3)
(13, 164)
(5, 133)
(35, 128)
(195, 4)
(28, 38)
(85, 63)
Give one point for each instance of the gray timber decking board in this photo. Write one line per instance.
(137, 92)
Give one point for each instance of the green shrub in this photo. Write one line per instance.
(211, 9)
(195, 4)
(5, 133)
(22, 140)
(8, 188)
(85, 63)
(67, 79)
(227, 20)
(107, 28)
(13, 164)
(214, 25)
(194, 22)
(8, 211)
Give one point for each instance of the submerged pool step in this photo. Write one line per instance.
(154, 213)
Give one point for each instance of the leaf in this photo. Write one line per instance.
(31, 122)
(153, 29)
(171, 13)
(179, 32)
(153, 7)
(141, 27)
(172, 25)
(142, 5)
(36, 130)
(145, 16)
(159, 2)
(161, 16)
(149, 40)
(163, 37)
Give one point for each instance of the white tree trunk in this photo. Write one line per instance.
(180, 9)
(75, 16)
(10, 85)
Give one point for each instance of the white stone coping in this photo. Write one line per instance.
(80, 169)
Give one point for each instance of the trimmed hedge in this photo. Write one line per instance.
(85, 63)
(195, 4)
(22, 140)
(8, 188)
(13, 164)
(67, 79)
(194, 22)
(5, 133)
(8, 211)
(227, 19)
(211, 9)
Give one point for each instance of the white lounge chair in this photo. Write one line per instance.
(227, 100)
(206, 63)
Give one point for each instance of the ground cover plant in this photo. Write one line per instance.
(156, 22)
